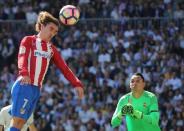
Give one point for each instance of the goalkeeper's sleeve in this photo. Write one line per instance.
(153, 116)
(117, 116)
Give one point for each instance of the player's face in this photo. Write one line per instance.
(49, 31)
(137, 83)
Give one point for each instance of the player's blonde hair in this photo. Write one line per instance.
(44, 18)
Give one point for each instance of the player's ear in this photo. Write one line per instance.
(144, 84)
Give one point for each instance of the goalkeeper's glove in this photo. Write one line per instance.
(127, 109)
(137, 114)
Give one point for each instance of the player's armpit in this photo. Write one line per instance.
(1, 128)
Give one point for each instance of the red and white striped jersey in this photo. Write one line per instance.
(34, 57)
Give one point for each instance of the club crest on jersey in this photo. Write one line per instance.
(44, 54)
(22, 50)
(144, 104)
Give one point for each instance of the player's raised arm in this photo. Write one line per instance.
(23, 54)
(69, 75)
(61, 64)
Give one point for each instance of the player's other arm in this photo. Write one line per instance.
(61, 64)
(23, 54)
(117, 116)
(153, 116)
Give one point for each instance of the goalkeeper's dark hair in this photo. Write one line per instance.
(139, 74)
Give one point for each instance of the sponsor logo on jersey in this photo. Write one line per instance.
(44, 54)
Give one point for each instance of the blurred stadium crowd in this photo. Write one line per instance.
(104, 54)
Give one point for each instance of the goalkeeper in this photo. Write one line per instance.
(140, 108)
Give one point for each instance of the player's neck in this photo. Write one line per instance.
(137, 94)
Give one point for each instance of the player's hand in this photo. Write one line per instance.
(80, 92)
(25, 80)
(127, 109)
(137, 114)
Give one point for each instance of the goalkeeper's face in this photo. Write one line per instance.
(137, 83)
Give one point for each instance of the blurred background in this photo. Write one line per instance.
(112, 40)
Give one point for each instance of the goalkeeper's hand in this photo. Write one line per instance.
(137, 114)
(125, 110)
(129, 110)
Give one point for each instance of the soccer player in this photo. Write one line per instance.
(140, 108)
(35, 54)
(5, 118)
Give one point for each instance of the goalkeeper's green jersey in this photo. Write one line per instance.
(147, 104)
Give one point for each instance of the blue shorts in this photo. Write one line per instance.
(24, 100)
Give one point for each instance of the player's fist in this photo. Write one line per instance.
(137, 114)
(25, 80)
(127, 109)
(80, 92)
